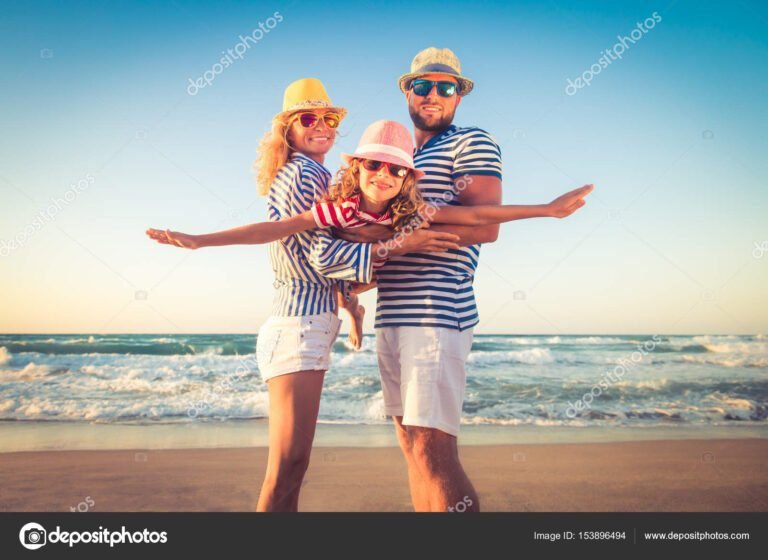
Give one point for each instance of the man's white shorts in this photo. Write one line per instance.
(291, 344)
(423, 374)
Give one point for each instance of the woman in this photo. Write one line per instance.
(294, 345)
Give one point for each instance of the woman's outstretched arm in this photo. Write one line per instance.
(251, 234)
(561, 207)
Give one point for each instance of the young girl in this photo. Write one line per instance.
(378, 186)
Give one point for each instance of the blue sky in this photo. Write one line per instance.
(671, 135)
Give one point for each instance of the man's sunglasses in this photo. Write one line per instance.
(310, 120)
(423, 87)
(395, 170)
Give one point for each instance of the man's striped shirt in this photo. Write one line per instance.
(307, 265)
(435, 289)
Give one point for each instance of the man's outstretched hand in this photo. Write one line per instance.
(567, 204)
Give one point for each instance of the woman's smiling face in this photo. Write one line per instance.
(314, 141)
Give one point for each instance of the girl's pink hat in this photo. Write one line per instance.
(387, 141)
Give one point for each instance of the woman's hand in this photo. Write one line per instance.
(168, 237)
(567, 204)
(421, 240)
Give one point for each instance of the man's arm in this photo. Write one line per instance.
(481, 215)
(479, 190)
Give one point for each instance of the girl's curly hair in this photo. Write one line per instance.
(404, 207)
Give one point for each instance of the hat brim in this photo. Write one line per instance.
(465, 84)
(387, 158)
(341, 110)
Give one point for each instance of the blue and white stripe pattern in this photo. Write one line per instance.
(308, 264)
(435, 289)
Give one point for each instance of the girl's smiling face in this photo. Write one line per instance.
(314, 141)
(378, 187)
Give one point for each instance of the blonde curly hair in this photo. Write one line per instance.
(404, 207)
(273, 152)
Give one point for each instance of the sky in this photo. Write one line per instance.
(103, 139)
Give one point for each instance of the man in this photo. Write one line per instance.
(426, 305)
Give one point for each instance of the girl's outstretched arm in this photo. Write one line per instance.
(251, 234)
(561, 207)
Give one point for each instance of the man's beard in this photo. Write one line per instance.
(421, 124)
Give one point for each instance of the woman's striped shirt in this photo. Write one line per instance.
(435, 289)
(307, 265)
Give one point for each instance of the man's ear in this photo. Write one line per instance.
(458, 100)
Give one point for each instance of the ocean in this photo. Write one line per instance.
(513, 380)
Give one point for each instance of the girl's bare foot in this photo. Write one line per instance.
(356, 328)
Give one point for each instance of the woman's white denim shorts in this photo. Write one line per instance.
(290, 344)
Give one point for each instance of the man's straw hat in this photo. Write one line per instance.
(436, 61)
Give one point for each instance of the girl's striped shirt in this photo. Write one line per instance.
(307, 265)
(346, 214)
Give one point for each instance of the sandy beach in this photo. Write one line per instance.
(667, 475)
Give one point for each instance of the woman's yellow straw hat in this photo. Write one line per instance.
(307, 94)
